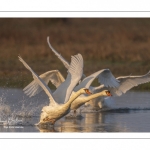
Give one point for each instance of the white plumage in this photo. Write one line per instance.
(53, 112)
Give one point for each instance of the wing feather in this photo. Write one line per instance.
(66, 64)
(75, 72)
(126, 83)
(107, 78)
(34, 88)
(104, 77)
(40, 82)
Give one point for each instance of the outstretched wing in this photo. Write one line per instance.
(34, 88)
(66, 64)
(104, 77)
(107, 78)
(75, 71)
(128, 82)
(39, 81)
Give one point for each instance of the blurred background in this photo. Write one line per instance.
(120, 44)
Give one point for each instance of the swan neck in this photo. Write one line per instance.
(73, 97)
(88, 98)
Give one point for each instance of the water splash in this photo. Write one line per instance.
(13, 106)
(5, 109)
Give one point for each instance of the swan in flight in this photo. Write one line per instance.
(34, 88)
(104, 76)
(50, 114)
(125, 82)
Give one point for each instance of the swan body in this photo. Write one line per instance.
(104, 76)
(117, 86)
(50, 114)
(126, 83)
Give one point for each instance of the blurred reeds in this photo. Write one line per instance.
(120, 44)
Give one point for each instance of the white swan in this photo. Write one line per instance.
(34, 88)
(126, 83)
(104, 76)
(53, 112)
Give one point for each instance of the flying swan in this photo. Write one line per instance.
(50, 114)
(125, 82)
(34, 88)
(104, 76)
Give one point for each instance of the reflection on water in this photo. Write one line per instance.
(131, 113)
(92, 122)
(104, 122)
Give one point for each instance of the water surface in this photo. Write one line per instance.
(129, 113)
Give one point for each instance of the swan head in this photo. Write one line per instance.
(106, 93)
(85, 91)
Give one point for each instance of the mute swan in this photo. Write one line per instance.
(125, 82)
(33, 88)
(50, 114)
(104, 76)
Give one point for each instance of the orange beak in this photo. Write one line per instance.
(108, 93)
(87, 92)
